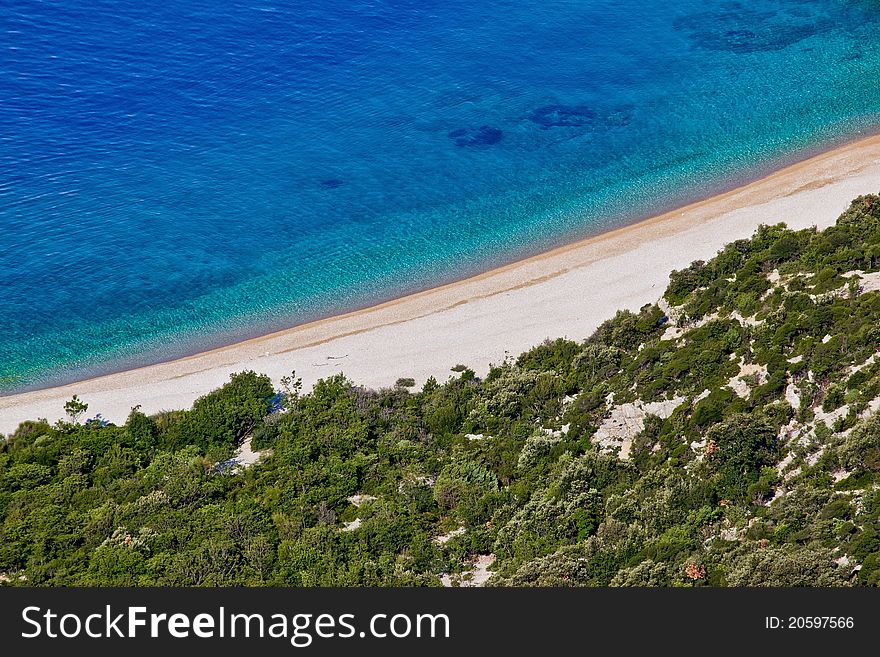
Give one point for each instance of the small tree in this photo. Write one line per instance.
(75, 408)
(743, 445)
(291, 387)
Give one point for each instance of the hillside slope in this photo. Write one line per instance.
(727, 435)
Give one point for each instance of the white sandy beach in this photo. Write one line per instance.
(566, 292)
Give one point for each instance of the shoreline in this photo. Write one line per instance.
(152, 356)
(564, 292)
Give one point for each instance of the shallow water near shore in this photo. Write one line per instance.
(178, 177)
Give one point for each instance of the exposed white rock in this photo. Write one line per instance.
(476, 577)
(746, 321)
(674, 313)
(698, 447)
(839, 475)
(445, 538)
(628, 420)
(554, 433)
(474, 436)
(739, 385)
(830, 417)
(706, 392)
(245, 456)
(813, 458)
(706, 319)
(868, 362)
(785, 462)
(360, 498)
(729, 534)
(791, 474)
(869, 282)
(792, 396)
(351, 526)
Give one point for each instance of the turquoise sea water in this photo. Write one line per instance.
(174, 176)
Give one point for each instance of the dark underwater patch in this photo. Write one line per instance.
(332, 183)
(740, 29)
(485, 135)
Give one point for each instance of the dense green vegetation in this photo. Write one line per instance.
(763, 470)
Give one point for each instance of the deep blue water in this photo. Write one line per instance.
(178, 175)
